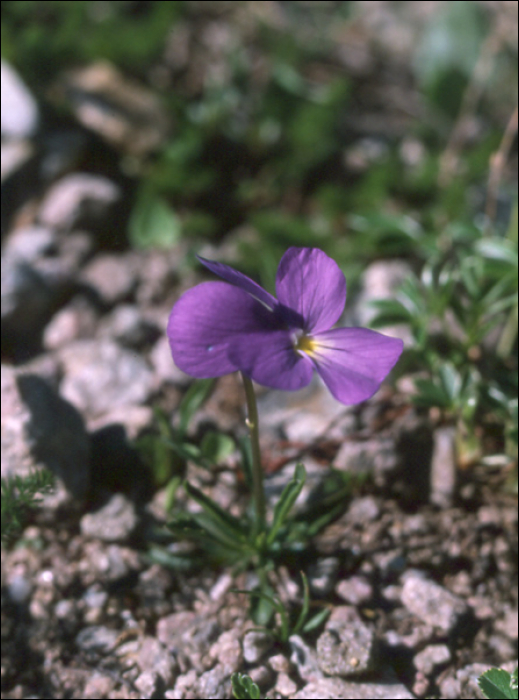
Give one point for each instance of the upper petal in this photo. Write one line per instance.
(312, 284)
(206, 320)
(239, 280)
(271, 360)
(354, 361)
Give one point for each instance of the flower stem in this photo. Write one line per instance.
(258, 494)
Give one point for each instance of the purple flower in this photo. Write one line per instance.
(221, 327)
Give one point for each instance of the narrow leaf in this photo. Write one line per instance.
(286, 501)
(215, 519)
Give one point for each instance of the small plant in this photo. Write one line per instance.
(462, 313)
(243, 687)
(222, 327)
(285, 628)
(497, 684)
(20, 495)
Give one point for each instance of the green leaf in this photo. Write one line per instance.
(316, 621)
(429, 394)
(243, 687)
(496, 684)
(193, 399)
(216, 521)
(216, 447)
(286, 501)
(390, 312)
(498, 249)
(305, 607)
(263, 613)
(451, 381)
(153, 224)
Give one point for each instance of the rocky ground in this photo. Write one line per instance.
(419, 572)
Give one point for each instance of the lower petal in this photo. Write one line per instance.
(353, 362)
(271, 360)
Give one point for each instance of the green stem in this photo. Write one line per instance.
(258, 493)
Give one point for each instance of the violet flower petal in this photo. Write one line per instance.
(271, 360)
(354, 361)
(206, 320)
(312, 284)
(240, 280)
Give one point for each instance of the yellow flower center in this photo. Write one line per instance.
(306, 344)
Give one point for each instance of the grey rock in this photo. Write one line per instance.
(431, 603)
(464, 684)
(377, 456)
(213, 684)
(112, 277)
(30, 243)
(279, 663)
(41, 429)
(129, 327)
(35, 282)
(15, 155)
(304, 658)
(432, 656)
(337, 689)
(94, 598)
(118, 109)
(100, 376)
(98, 686)
(97, 639)
(285, 686)
(77, 320)
(355, 589)
(19, 588)
(255, 645)
(304, 415)
(134, 419)
(114, 522)
(152, 656)
(188, 636)
(322, 575)
(443, 467)
(347, 646)
(380, 280)
(19, 109)
(27, 304)
(149, 684)
(364, 510)
(163, 365)
(227, 651)
(79, 200)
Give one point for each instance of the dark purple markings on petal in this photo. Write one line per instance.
(354, 361)
(312, 284)
(271, 360)
(205, 322)
(240, 280)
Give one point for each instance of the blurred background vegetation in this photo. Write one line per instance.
(372, 130)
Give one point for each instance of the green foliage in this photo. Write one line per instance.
(153, 224)
(285, 627)
(42, 37)
(244, 688)
(498, 684)
(20, 495)
(448, 52)
(166, 449)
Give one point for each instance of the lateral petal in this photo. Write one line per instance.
(353, 362)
